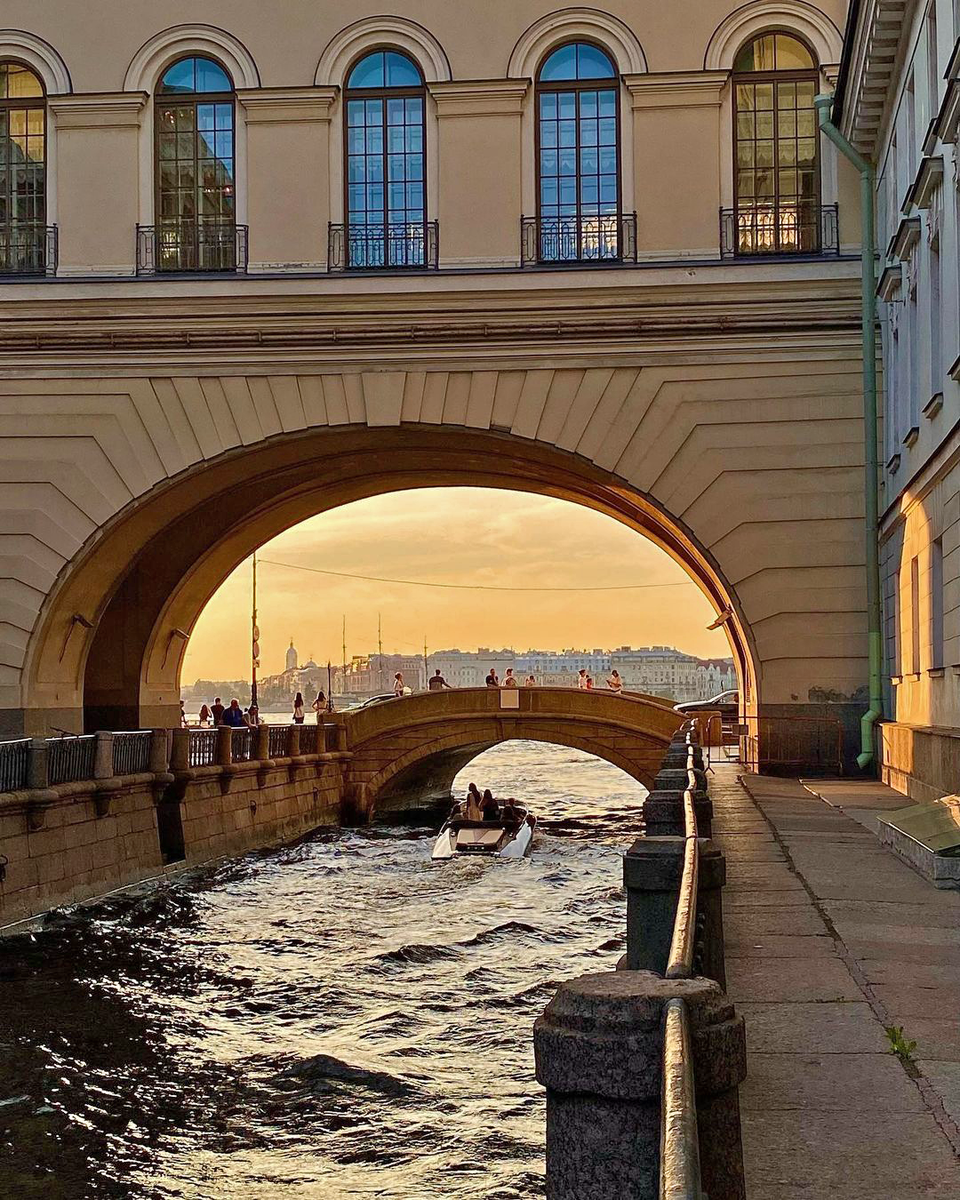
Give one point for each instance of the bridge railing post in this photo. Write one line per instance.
(293, 745)
(261, 749)
(180, 750)
(224, 745)
(103, 755)
(651, 875)
(159, 752)
(38, 774)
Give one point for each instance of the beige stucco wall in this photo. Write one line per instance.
(479, 62)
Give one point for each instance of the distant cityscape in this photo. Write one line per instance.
(656, 670)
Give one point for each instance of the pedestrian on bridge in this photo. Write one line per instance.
(298, 709)
(530, 681)
(492, 680)
(614, 682)
(217, 711)
(204, 716)
(510, 680)
(233, 716)
(320, 706)
(437, 682)
(398, 684)
(582, 679)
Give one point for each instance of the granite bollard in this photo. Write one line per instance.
(599, 1054)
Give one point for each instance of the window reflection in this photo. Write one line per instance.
(196, 194)
(386, 157)
(23, 210)
(578, 156)
(777, 160)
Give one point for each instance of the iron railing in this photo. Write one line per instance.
(131, 752)
(242, 745)
(14, 760)
(70, 759)
(279, 744)
(202, 747)
(185, 247)
(311, 739)
(679, 1139)
(752, 231)
(790, 745)
(400, 246)
(569, 240)
(28, 249)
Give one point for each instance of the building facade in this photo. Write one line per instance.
(272, 262)
(901, 107)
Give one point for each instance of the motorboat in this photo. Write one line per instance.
(510, 838)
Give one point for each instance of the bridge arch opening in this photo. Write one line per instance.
(110, 646)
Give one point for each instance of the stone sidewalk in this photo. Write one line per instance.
(829, 939)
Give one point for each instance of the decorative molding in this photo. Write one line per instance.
(905, 239)
(373, 32)
(98, 110)
(38, 55)
(911, 437)
(891, 279)
(873, 51)
(287, 105)
(568, 24)
(893, 464)
(159, 51)
(680, 89)
(758, 16)
(933, 406)
(928, 181)
(479, 97)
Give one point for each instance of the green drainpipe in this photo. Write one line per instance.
(871, 458)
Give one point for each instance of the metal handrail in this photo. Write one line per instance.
(679, 1139)
(683, 942)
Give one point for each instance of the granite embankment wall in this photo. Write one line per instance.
(68, 842)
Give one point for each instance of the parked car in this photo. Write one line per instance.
(727, 704)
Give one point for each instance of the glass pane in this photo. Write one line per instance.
(593, 63)
(355, 110)
(211, 77)
(792, 54)
(19, 82)
(205, 117)
(181, 77)
(562, 64)
(369, 72)
(401, 71)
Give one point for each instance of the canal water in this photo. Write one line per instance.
(339, 1018)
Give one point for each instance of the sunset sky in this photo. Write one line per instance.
(468, 536)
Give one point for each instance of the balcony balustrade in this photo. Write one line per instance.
(187, 247)
(610, 238)
(393, 247)
(802, 228)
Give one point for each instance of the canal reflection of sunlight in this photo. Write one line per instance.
(338, 1018)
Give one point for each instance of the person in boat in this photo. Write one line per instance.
(489, 806)
(509, 813)
(473, 810)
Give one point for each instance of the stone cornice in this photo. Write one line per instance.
(139, 329)
(479, 97)
(676, 89)
(287, 105)
(97, 110)
(874, 55)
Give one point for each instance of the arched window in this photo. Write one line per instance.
(196, 217)
(777, 171)
(25, 245)
(385, 135)
(578, 156)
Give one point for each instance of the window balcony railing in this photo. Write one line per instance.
(752, 231)
(28, 249)
(400, 246)
(191, 246)
(610, 238)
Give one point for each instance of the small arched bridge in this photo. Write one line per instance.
(418, 744)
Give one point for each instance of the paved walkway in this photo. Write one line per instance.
(830, 938)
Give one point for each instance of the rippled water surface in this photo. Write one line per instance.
(338, 1018)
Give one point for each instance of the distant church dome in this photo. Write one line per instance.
(311, 666)
(292, 657)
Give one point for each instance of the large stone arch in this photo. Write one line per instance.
(115, 629)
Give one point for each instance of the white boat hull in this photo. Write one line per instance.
(460, 839)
